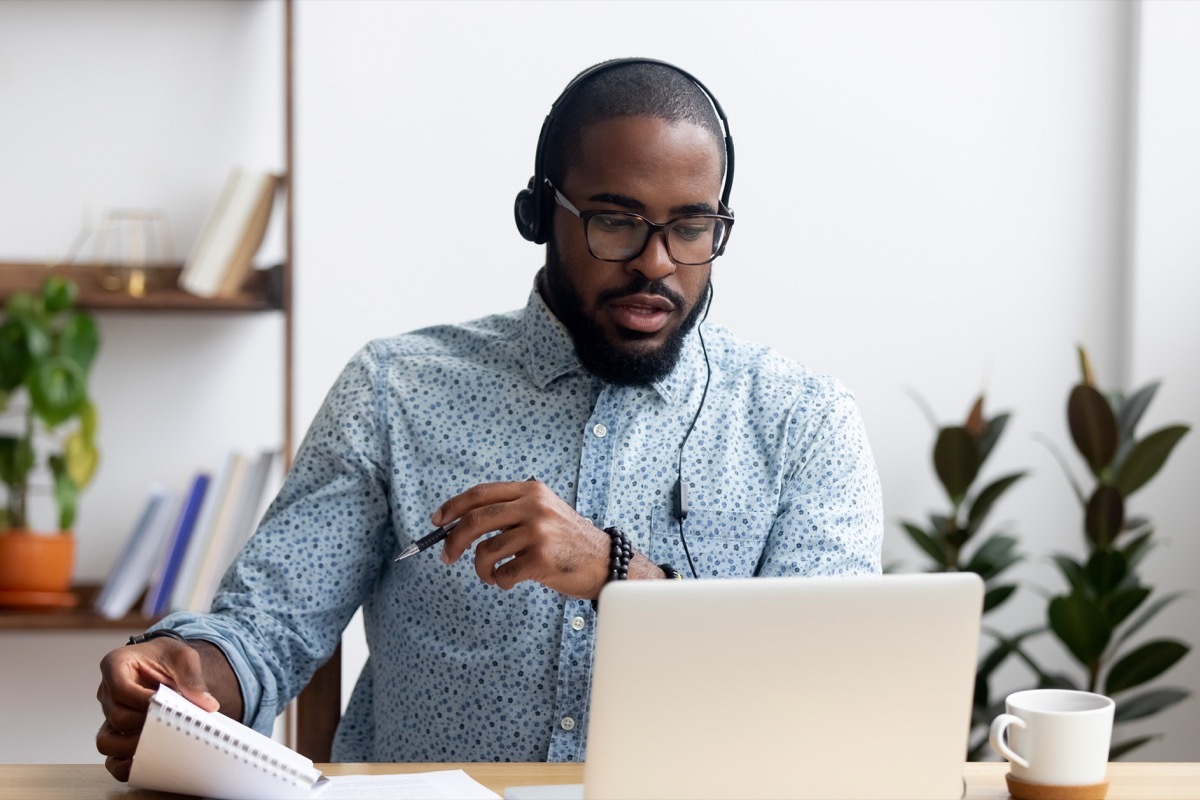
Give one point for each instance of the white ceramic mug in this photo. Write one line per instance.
(1056, 737)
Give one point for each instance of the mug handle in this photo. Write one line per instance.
(999, 741)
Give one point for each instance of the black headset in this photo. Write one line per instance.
(533, 211)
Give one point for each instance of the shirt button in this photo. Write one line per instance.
(599, 430)
(567, 723)
(578, 623)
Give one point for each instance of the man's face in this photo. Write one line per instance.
(628, 320)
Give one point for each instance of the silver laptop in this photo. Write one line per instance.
(782, 688)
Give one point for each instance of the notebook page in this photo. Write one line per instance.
(186, 749)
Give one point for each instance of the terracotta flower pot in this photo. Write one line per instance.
(36, 562)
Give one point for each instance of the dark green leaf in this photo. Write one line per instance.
(987, 498)
(57, 389)
(1072, 570)
(1149, 614)
(1137, 549)
(1147, 458)
(1148, 704)
(1129, 745)
(14, 354)
(1133, 409)
(1144, 664)
(997, 596)
(956, 460)
(1093, 427)
(995, 555)
(79, 340)
(1104, 516)
(16, 459)
(1057, 681)
(926, 543)
(1105, 569)
(1123, 603)
(66, 493)
(1080, 626)
(991, 434)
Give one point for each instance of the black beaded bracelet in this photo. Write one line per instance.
(141, 638)
(620, 554)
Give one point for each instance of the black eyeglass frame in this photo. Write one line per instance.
(652, 228)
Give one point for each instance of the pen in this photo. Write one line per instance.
(430, 539)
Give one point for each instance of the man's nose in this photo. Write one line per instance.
(654, 262)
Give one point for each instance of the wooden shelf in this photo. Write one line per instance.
(263, 291)
(82, 617)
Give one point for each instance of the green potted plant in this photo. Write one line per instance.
(956, 542)
(47, 428)
(1106, 602)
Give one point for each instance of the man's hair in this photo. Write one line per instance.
(637, 89)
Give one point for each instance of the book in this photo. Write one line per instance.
(223, 254)
(134, 567)
(188, 750)
(213, 564)
(159, 593)
(198, 548)
(248, 508)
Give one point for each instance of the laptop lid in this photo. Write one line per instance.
(854, 687)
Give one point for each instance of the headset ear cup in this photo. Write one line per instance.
(525, 212)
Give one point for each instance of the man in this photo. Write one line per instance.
(598, 434)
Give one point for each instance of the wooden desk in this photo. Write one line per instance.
(985, 781)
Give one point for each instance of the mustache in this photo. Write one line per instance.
(642, 285)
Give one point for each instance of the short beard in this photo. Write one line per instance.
(608, 360)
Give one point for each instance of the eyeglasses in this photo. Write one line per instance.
(692, 240)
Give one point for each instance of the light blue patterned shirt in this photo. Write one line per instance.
(781, 480)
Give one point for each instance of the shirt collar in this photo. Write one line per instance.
(551, 353)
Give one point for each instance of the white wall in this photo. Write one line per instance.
(929, 195)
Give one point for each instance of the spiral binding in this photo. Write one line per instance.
(216, 735)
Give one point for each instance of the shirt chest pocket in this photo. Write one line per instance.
(722, 544)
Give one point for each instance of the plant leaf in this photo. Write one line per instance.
(1105, 569)
(926, 543)
(994, 556)
(1080, 626)
(1072, 570)
(1104, 516)
(1144, 664)
(956, 461)
(79, 339)
(991, 434)
(1133, 409)
(1147, 458)
(1137, 549)
(1123, 603)
(986, 499)
(57, 389)
(1093, 427)
(976, 424)
(1148, 704)
(997, 596)
(1129, 745)
(1149, 614)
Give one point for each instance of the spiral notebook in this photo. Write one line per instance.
(188, 750)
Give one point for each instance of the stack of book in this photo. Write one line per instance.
(182, 542)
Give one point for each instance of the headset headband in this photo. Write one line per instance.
(533, 212)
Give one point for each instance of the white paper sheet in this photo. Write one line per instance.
(450, 784)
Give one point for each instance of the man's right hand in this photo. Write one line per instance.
(130, 675)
